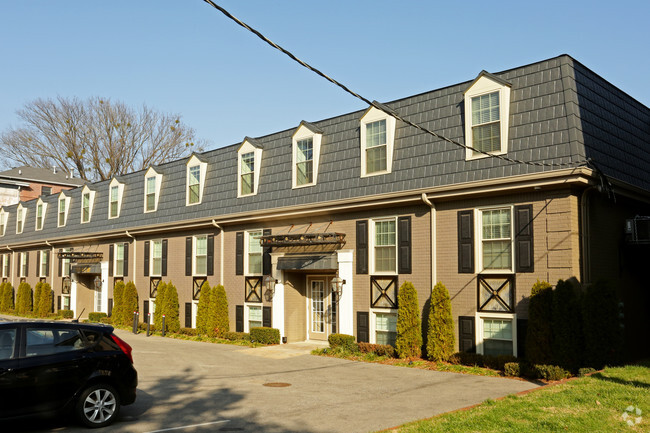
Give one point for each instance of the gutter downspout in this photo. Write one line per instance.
(135, 254)
(214, 223)
(434, 268)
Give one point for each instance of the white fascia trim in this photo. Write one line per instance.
(482, 86)
(193, 162)
(372, 115)
(301, 134)
(245, 148)
(120, 194)
(478, 224)
(478, 328)
(91, 204)
(151, 172)
(23, 213)
(41, 203)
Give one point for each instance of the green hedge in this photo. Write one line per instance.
(44, 301)
(96, 316)
(478, 360)
(343, 341)
(603, 334)
(377, 349)
(441, 339)
(66, 314)
(567, 326)
(550, 372)
(512, 369)
(265, 335)
(409, 328)
(237, 336)
(539, 334)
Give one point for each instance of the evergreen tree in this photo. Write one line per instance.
(602, 325)
(219, 311)
(203, 309)
(539, 336)
(3, 303)
(160, 306)
(24, 301)
(170, 309)
(567, 326)
(44, 301)
(118, 303)
(441, 340)
(130, 302)
(409, 333)
(8, 297)
(37, 296)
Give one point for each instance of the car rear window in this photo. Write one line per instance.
(49, 341)
(7, 343)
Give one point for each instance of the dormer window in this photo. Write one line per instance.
(40, 214)
(115, 193)
(487, 103)
(306, 153)
(248, 169)
(152, 181)
(87, 202)
(21, 212)
(62, 211)
(195, 180)
(377, 142)
(3, 222)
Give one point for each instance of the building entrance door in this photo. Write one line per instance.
(319, 320)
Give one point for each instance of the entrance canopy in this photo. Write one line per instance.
(304, 263)
(87, 269)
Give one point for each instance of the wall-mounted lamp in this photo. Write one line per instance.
(337, 286)
(269, 285)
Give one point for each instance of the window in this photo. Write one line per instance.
(113, 202)
(496, 239)
(40, 214)
(305, 162)
(87, 201)
(119, 260)
(306, 153)
(65, 265)
(487, 104)
(152, 181)
(5, 265)
(385, 328)
(254, 317)
(44, 263)
(377, 142)
(253, 252)
(21, 212)
(385, 246)
(23, 264)
(62, 214)
(497, 334)
(196, 170)
(7, 343)
(3, 222)
(156, 258)
(46, 190)
(248, 168)
(200, 255)
(115, 194)
(46, 341)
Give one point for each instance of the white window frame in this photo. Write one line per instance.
(120, 193)
(3, 222)
(194, 161)
(373, 321)
(370, 116)
(194, 256)
(21, 264)
(152, 173)
(40, 204)
(478, 223)
(91, 203)
(247, 253)
(247, 308)
(304, 133)
(152, 257)
(115, 260)
(373, 270)
(43, 264)
(4, 264)
(484, 85)
(65, 263)
(246, 148)
(21, 216)
(66, 206)
(478, 328)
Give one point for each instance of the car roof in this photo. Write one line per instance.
(102, 327)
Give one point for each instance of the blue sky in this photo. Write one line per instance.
(184, 57)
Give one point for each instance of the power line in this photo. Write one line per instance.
(382, 107)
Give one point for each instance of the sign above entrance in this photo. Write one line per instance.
(302, 239)
(81, 256)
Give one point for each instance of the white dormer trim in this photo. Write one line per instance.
(370, 116)
(120, 194)
(3, 221)
(66, 206)
(91, 203)
(194, 161)
(21, 216)
(304, 133)
(40, 203)
(152, 173)
(248, 147)
(485, 84)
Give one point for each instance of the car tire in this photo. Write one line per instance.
(98, 405)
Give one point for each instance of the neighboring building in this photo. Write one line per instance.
(377, 202)
(26, 183)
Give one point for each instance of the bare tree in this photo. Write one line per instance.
(97, 138)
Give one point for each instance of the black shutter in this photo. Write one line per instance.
(38, 263)
(188, 314)
(363, 327)
(26, 263)
(466, 340)
(266, 255)
(466, 242)
(18, 264)
(524, 253)
(362, 247)
(11, 257)
(126, 259)
(188, 256)
(522, 331)
(52, 298)
(404, 239)
(60, 272)
(164, 258)
(111, 255)
(146, 258)
(239, 255)
(47, 265)
(110, 307)
(145, 311)
(266, 317)
(210, 255)
(58, 303)
(239, 318)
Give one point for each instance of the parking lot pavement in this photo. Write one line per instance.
(187, 386)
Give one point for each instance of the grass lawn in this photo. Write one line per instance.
(589, 404)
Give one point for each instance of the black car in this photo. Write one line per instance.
(48, 367)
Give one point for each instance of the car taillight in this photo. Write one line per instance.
(124, 346)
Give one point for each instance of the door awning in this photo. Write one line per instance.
(302, 239)
(87, 269)
(319, 262)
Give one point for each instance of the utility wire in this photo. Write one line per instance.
(382, 107)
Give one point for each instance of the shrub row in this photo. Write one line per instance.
(6, 297)
(66, 314)
(265, 335)
(96, 316)
(535, 371)
(377, 349)
(478, 360)
(237, 336)
(212, 313)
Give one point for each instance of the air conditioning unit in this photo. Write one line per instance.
(637, 229)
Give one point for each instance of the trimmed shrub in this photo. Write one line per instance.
(44, 306)
(539, 335)
(170, 309)
(203, 309)
(512, 369)
(265, 335)
(603, 335)
(96, 316)
(344, 341)
(550, 372)
(582, 372)
(377, 349)
(6, 297)
(37, 296)
(118, 303)
(107, 320)
(567, 326)
(66, 314)
(24, 301)
(467, 358)
(218, 318)
(130, 303)
(237, 336)
(188, 331)
(497, 362)
(160, 306)
(409, 332)
(440, 337)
